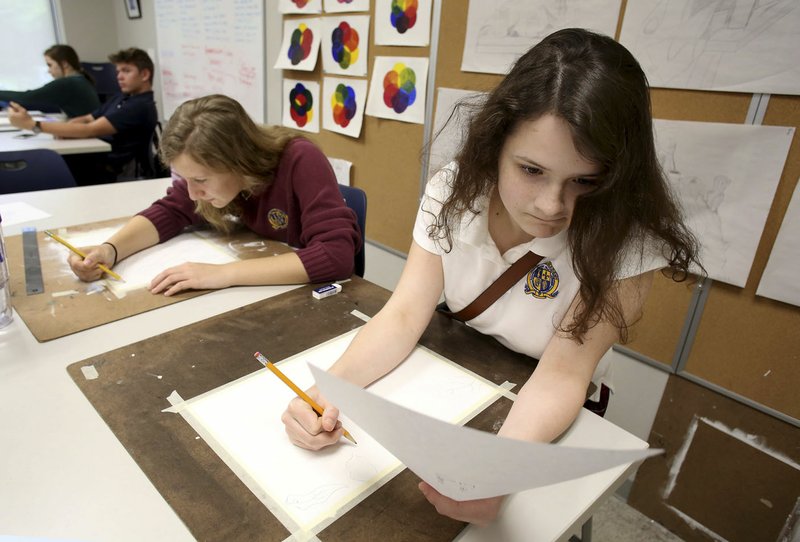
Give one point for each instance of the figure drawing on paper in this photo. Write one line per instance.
(514, 26)
(688, 42)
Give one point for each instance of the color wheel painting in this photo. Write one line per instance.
(404, 14)
(398, 87)
(300, 47)
(300, 44)
(343, 110)
(344, 45)
(403, 22)
(300, 6)
(300, 105)
(340, 6)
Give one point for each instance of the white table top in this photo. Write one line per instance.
(63, 473)
(9, 141)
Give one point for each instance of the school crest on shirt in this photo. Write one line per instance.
(542, 281)
(277, 219)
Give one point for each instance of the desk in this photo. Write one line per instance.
(64, 474)
(8, 142)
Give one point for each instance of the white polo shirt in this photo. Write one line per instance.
(527, 316)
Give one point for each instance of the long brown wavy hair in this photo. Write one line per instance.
(599, 89)
(216, 132)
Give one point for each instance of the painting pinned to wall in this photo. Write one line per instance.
(725, 177)
(343, 105)
(397, 89)
(499, 32)
(727, 45)
(403, 22)
(300, 46)
(301, 105)
(340, 6)
(779, 280)
(300, 6)
(345, 43)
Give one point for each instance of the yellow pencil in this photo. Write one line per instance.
(81, 254)
(300, 393)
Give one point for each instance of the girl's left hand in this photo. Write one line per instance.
(189, 276)
(480, 512)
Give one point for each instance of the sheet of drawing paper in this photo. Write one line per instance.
(737, 45)
(241, 421)
(19, 212)
(725, 176)
(300, 46)
(403, 22)
(397, 89)
(499, 32)
(341, 168)
(345, 44)
(779, 280)
(450, 129)
(343, 105)
(300, 6)
(139, 269)
(341, 6)
(460, 462)
(301, 105)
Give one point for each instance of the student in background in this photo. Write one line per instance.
(228, 172)
(72, 89)
(559, 161)
(126, 121)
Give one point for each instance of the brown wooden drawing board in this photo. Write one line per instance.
(50, 317)
(135, 381)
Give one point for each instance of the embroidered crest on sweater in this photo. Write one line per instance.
(278, 219)
(542, 281)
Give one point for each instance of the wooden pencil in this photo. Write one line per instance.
(82, 254)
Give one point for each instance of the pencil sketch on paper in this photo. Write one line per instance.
(500, 32)
(746, 45)
(724, 176)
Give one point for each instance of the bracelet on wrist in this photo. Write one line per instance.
(115, 252)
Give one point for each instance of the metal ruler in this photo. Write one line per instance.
(33, 267)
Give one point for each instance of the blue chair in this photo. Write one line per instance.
(356, 199)
(105, 78)
(37, 169)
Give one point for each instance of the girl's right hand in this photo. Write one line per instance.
(86, 268)
(308, 430)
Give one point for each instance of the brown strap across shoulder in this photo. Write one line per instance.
(500, 286)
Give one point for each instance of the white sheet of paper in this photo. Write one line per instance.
(779, 280)
(341, 6)
(460, 462)
(397, 26)
(725, 176)
(737, 45)
(345, 44)
(499, 32)
(19, 212)
(341, 168)
(301, 105)
(343, 102)
(139, 269)
(300, 46)
(397, 89)
(241, 421)
(449, 130)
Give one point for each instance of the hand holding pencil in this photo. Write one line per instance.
(88, 264)
(309, 424)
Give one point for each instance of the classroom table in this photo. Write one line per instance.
(65, 475)
(10, 141)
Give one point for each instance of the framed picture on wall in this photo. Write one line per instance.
(133, 9)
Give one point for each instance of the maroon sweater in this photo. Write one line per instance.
(301, 207)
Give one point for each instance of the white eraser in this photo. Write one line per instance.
(326, 291)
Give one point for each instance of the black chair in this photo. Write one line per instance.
(37, 169)
(105, 78)
(356, 199)
(150, 166)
